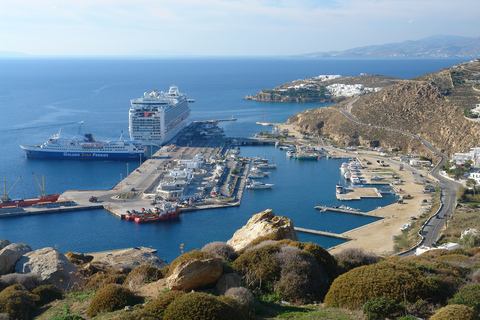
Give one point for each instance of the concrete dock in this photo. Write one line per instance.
(322, 233)
(321, 208)
(359, 193)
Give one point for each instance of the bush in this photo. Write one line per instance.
(194, 254)
(351, 258)
(258, 267)
(16, 302)
(197, 305)
(158, 305)
(380, 308)
(143, 274)
(111, 298)
(323, 257)
(354, 288)
(242, 295)
(221, 250)
(100, 280)
(455, 312)
(28, 281)
(469, 296)
(47, 293)
(66, 317)
(139, 316)
(302, 279)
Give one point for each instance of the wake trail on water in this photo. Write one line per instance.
(37, 127)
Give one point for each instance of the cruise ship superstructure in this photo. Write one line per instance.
(158, 117)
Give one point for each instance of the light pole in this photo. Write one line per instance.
(127, 169)
(121, 185)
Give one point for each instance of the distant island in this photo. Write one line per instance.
(438, 46)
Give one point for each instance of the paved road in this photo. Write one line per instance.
(449, 188)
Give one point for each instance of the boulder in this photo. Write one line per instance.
(52, 266)
(4, 243)
(262, 224)
(20, 247)
(227, 281)
(192, 273)
(134, 257)
(8, 260)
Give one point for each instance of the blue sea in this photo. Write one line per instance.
(40, 97)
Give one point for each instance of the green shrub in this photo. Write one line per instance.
(469, 296)
(111, 298)
(351, 258)
(157, 306)
(66, 317)
(194, 254)
(198, 305)
(302, 279)
(100, 280)
(242, 295)
(143, 274)
(380, 308)
(47, 293)
(324, 258)
(16, 302)
(384, 279)
(258, 266)
(455, 312)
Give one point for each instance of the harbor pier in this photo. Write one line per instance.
(322, 233)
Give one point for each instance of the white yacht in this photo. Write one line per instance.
(259, 185)
(157, 117)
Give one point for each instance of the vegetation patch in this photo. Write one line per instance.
(112, 297)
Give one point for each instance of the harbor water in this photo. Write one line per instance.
(40, 97)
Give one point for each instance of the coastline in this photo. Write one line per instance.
(377, 237)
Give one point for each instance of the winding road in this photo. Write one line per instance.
(432, 227)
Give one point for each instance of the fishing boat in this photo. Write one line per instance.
(5, 201)
(131, 215)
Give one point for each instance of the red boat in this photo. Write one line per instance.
(168, 211)
(5, 201)
(27, 202)
(130, 216)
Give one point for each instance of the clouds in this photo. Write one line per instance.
(224, 27)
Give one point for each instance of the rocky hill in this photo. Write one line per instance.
(314, 89)
(439, 46)
(431, 106)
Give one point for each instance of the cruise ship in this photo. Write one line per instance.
(86, 148)
(158, 117)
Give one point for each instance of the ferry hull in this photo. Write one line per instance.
(83, 155)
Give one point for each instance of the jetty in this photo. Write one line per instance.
(325, 208)
(359, 193)
(137, 189)
(322, 233)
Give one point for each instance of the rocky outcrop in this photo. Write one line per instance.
(52, 266)
(192, 273)
(8, 260)
(4, 243)
(227, 281)
(20, 247)
(262, 224)
(134, 257)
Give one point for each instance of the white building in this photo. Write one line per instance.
(445, 246)
(473, 155)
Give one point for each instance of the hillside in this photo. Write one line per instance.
(439, 46)
(315, 90)
(430, 106)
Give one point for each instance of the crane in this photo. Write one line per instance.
(41, 188)
(5, 193)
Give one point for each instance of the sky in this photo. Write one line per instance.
(225, 27)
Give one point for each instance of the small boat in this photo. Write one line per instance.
(339, 188)
(259, 185)
(306, 156)
(256, 173)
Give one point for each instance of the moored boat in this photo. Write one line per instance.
(5, 201)
(165, 211)
(259, 185)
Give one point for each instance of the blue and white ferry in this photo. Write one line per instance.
(87, 148)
